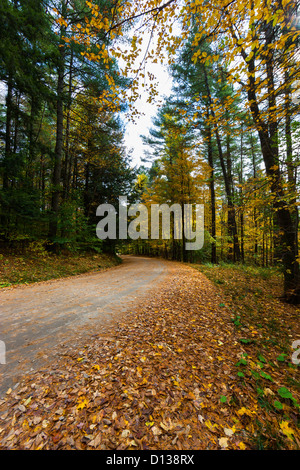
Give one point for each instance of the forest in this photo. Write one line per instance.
(135, 343)
(227, 137)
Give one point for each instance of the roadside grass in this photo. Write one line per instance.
(183, 370)
(266, 327)
(36, 267)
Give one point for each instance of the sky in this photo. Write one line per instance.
(162, 77)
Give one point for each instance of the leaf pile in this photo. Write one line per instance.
(166, 378)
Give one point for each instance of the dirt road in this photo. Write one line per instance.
(37, 322)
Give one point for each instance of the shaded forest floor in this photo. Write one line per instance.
(203, 364)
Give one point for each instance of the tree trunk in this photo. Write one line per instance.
(212, 192)
(86, 196)
(254, 210)
(7, 152)
(289, 163)
(67, 161)
(241, 199)
(232, 228)
(269, 148)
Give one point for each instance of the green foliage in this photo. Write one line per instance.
(40, 185)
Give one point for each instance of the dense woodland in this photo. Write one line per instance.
(228, 137)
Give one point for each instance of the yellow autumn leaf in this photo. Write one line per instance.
(82, 404)
(209, 425)
(245, 411)
(25, 424)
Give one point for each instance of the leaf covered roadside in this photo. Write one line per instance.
(166, 378)
(269, 331)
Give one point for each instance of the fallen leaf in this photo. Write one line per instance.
(229, 432)
(82, 404)
(96, 441)
(223, 442)
(244, 411)
(27, 401)
(284, 426)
